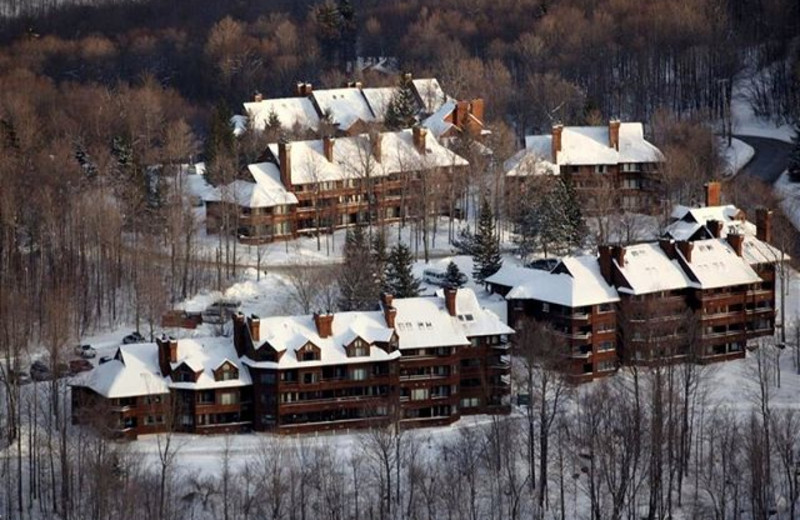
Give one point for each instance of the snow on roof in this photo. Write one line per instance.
(266, 191)
(524, 163)
(475, 320)
(346, 106)
(575, 282)
(648, 269)
(437, 123)
(352, 154)
(135, 373)
(424, 322)
(291, 112)
(687, 221)
(587, 145)
(378, 100)
(290, 333)
(206, 355)
(239, 124)
(430, 93)
(755, 251)
(715, 264)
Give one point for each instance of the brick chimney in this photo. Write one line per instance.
(238, 333)
(324, 324)
(387, 299)
(715, 227)
(300, 89)
(164, 356)
(604, 260)
(736, 240)
(285, 160)
(389, 313)
(476, 109)
(712, 194)
(327, 147)
(556, 143)
(619, 255)
(375, 142)
(254, 324)
(358, 85)
(668, 246)
(450, 300)
(764, 224)
(407, 76)
(308, 89)
(685, 247)
(613, 133)
(419, 134)
(258, 97)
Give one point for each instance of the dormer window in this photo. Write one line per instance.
(308, 352)
(358, 348)
(226, 372)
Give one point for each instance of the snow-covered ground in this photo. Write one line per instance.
(745, 122)
(735, 156)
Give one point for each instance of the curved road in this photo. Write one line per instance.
(770, 159)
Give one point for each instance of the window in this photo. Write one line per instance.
(545, 307)
(154, 419)
(601, 168)
(228, 398)
(470, 402)
(267, 379)
(310, 378)
(153, 399)
(606, 345)
(605, 366)
(358, 374)
(419, 394)
(205, 397)
(184, 377)
(605, 307)
(227, 373)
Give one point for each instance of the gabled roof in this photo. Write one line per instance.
(378, 99)
(291, 112)
(290, 333)
(136, 375)
(204, 355)
(475, 320)
(266, 190)
(648, 269)
(587, 145)
(575, 282)
(687, 222)
(756, 251)
(346, 106)
(715, 264)
(351, 154)
(424, 322)
(430, 94)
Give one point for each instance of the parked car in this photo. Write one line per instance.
(133, 337)
(77, 366)
(85, 351)
(434, 276)
(106, 359)
(40, 370)
(221, 311)
(20, 376)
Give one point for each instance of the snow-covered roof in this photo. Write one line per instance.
(346, 106)
(135, 373)
(239, 124)
(588, 145)
(575, 282)
(687, 221)
(437, 123)
(351, 154)
(715, 264)
(291, 112)
(473, 319)
(424, 322)
(755, 251)
(290, 333)
(648, 269)
(524, 163)
(430, 94)
(204, 356)
(266, 191)
(378, 99)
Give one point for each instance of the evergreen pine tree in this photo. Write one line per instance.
(464, 244)
(453, 277)
(399, 279)
(794, 155)
(402, 110)
(220, 134)
(486, 257)
(358, 287)
(380, 257)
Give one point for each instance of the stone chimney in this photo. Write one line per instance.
(736, 241)
(764, 224)
(619, 255)
(163, 344)
(685, 247)
(258, 97)
(668, 246)
(450, 300)
(419, 134)
(713, 194)
(285, 160)
(327, 147)
(477, 108)
(375, 142)
(604, 260)
(324, 324)
(715, 227)
(254, 324)
(390, 314)
(613, 133)
(556, 143)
